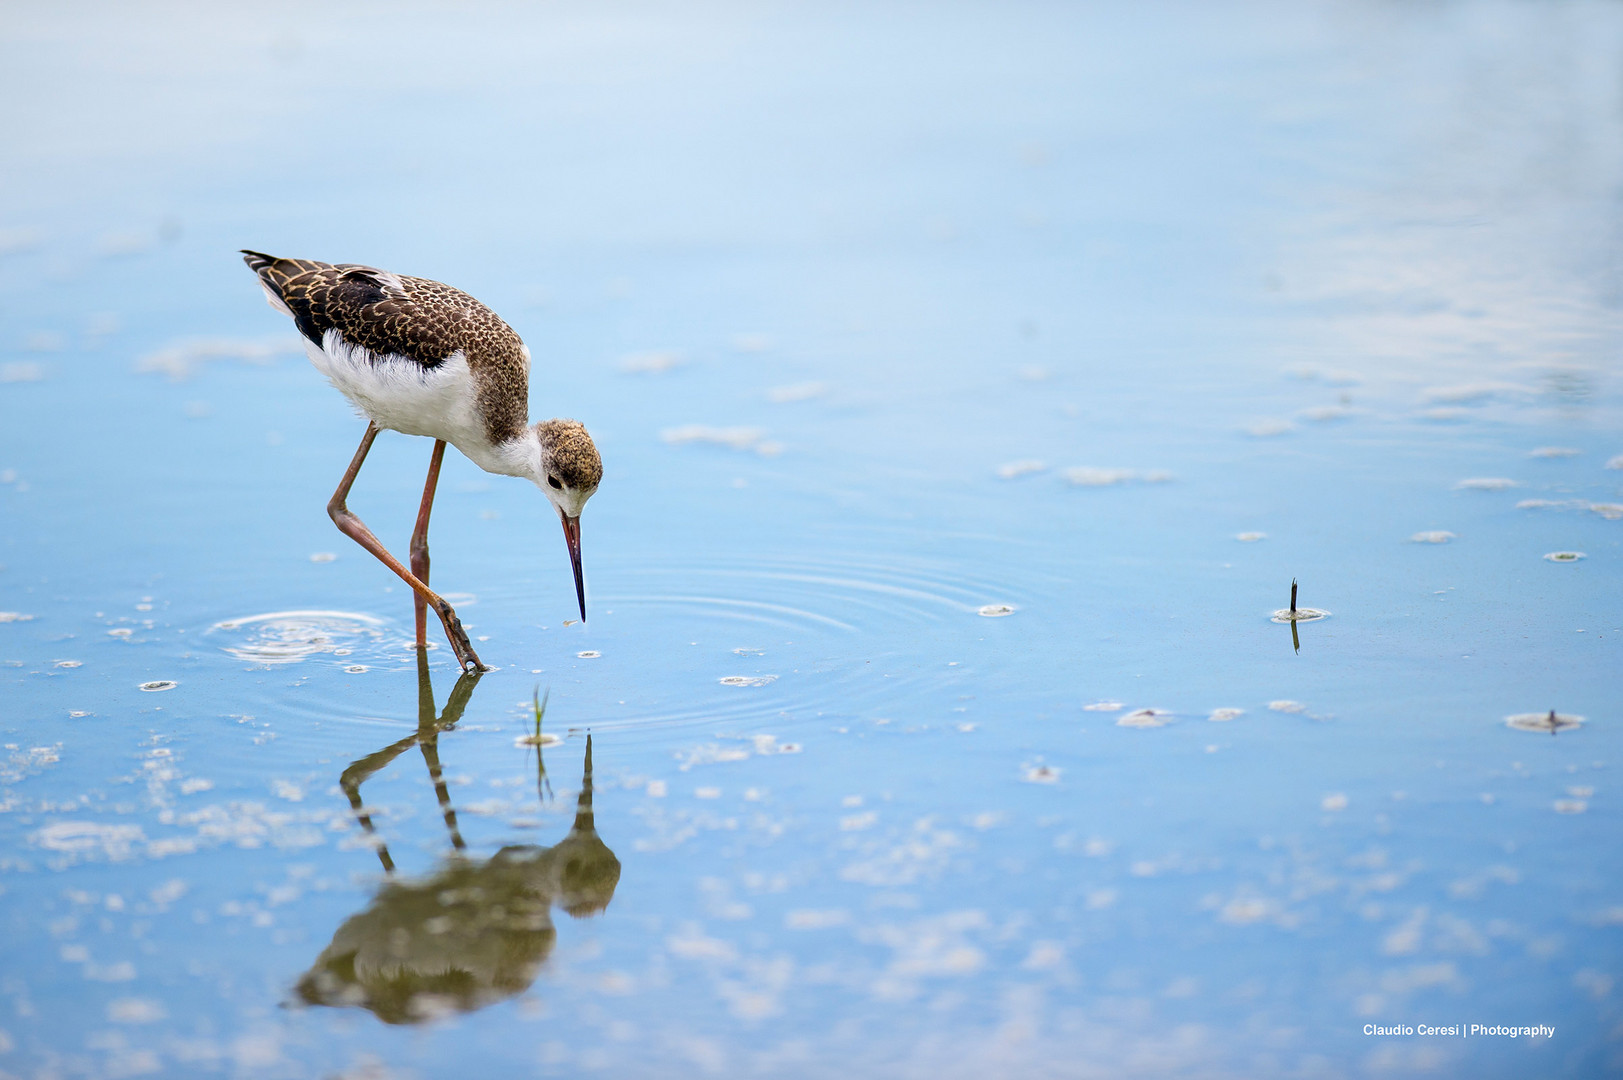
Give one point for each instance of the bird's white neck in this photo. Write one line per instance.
(516, 457)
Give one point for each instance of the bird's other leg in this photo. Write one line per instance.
(419, 540)
(354, 528)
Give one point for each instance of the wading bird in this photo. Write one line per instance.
(422, 358)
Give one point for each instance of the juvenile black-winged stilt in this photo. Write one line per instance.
(422, 358)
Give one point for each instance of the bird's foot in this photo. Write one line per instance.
(465, 656)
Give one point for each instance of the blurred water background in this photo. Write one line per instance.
(972, 382)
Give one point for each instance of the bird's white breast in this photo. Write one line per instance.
(398, 393)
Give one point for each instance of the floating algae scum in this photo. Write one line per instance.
(970, 387)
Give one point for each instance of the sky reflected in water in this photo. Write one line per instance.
(971, 384)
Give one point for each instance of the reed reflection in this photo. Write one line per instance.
(475, 931)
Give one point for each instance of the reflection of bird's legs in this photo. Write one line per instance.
(419, 540)
(428, 734)
(354, 528)
(431, 754)
(357, 774)
(428, 728)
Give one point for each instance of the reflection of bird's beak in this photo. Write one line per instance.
(572, 537)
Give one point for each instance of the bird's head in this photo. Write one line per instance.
(568, 471)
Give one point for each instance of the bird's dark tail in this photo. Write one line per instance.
(258, 261)
(274, 274)
(278, 272)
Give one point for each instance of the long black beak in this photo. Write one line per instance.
(572, 537)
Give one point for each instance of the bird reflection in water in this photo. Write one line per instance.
(474, 932)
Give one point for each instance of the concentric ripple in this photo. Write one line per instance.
(794, 629)
(816, 595)
(286, 637)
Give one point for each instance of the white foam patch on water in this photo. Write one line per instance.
(286, 637)
(589, 654)
(1250, 537)
(1544, 722)
(1089, 476)
(158, 685)
(90, 838)
(14, 616)
(1487, 483)
(747, 680)
(656, 362)
(135, 1011)
(1301, 614)
(810, 919)
(1554, 452)
(733, 438)
(1223, 715)
(1267, 429)
(1285, 705)
(322, 556)
(1565, 556)
(544, 739)
(711, 754)
(1609, 511)
(1016, 469)
(1436, 536)
(1105, 706)
(995, 611)
(21, 371)
(20, 763)
(769, 744)
(181, 360)
(1145, 718)
(806, 391)
(1615, 463)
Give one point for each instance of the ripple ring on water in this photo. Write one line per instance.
(1551, 721)
(286, 637)
(546, 738)
(1301, 614)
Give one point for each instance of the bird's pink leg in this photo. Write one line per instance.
(354, 528)
(419, 539)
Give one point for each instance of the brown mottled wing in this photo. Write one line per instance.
(421, 320)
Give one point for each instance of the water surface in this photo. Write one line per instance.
(971, 386)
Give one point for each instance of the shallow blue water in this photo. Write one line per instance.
(879, 317)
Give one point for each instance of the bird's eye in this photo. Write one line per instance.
(553, 480)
